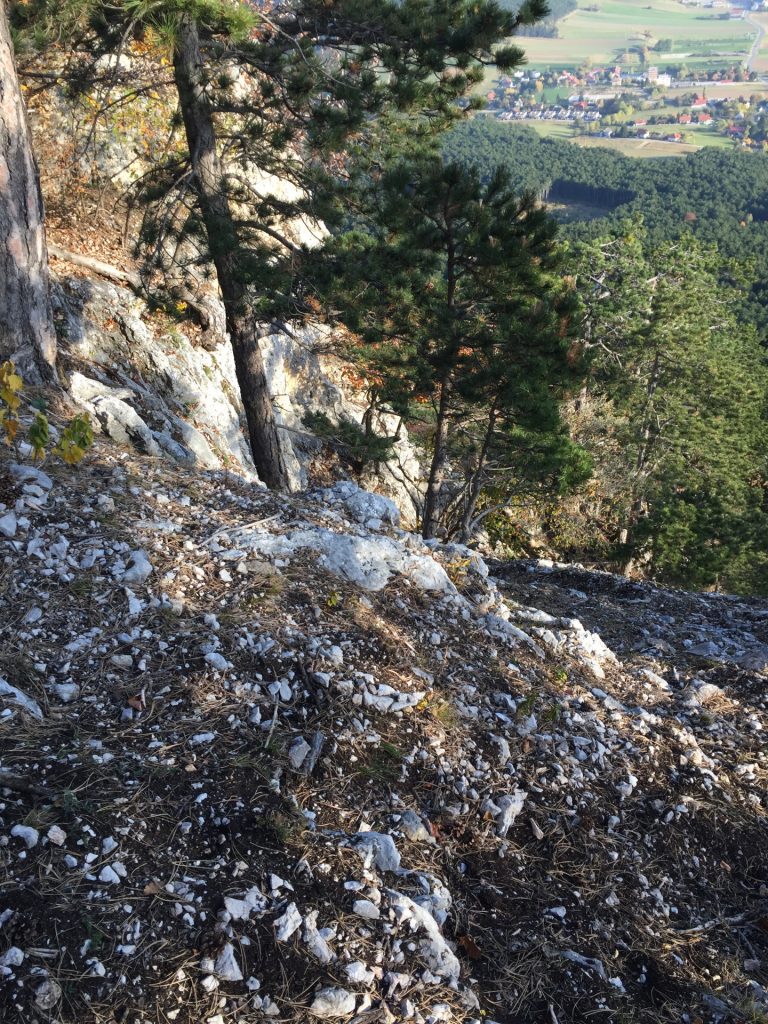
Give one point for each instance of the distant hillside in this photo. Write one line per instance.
(720, 195)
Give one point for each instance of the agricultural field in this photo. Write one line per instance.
(644, 148)
(605, 30)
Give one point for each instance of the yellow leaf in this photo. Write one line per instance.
(11, 427)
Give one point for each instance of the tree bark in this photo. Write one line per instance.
(27, 333)
(437, 466)
(224, 246)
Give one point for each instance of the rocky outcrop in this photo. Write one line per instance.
(149, 383)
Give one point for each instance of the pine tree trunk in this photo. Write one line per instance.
(437, 467)
(27, 334)
(640, 474)
(476, 481)
(224, 247)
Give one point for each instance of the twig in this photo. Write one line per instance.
(22, 785)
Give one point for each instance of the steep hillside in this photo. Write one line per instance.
(272, 757)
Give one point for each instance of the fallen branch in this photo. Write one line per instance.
(132, 279)
(736, 919)
(21, 785)
(97, 266)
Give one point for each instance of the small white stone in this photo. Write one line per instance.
(333, 1002)
(287, 923)
(139, 568)
(47, 994)
(135, 606)
(203, 737)
(413, 828)
(538, 834)
(358, 973)
(8, 525)
(56, 835)
(238, 910)
(298, 751)
(364, 908)
(226, 965)
(379, 847)
(109, 876)
(67, 692)
(217, 661)
(12, 957)
(27, 833)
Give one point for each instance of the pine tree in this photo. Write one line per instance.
(456, 289)
(687, 391)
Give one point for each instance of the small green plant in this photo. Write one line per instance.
(391, 750)
(526, 706)
(96, 935)
(75, 439)
(552, 714)
(384, 764)
(445, 713)
(286, 829)
(457, 570)
(354, 442)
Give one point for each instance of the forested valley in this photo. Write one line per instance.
(698, 227)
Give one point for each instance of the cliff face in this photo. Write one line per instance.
(272, 756)
(160, 387)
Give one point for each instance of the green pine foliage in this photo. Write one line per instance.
(685, 392)
(470, 319)
(455, 289)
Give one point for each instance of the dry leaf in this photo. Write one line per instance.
(470, 947)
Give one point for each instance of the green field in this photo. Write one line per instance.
(603, 35)
(699, 138)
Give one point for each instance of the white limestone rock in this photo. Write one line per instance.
(366, 909)
(8, 525)
(29, 835)
(17, 696)
(288, 922)
(377, 848)
(333, 1002)
(226, 966)
(297, 752)
(138, 569)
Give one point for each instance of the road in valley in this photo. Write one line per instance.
(755, 51)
